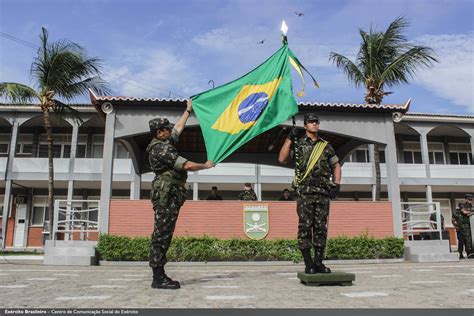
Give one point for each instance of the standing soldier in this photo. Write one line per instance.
(457, 220)
(168, 191)
(315, 163)
(247, 194)
(466, 213)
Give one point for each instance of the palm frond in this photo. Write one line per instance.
(406, 65)
(17, 92)
(351, 70)
(63, 110)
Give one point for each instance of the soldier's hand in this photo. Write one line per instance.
(293, 135)
(189, 105)
(209, 164)
(334, 191)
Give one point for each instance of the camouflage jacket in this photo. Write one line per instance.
(248, 196)
(165, 162)
(319, 179)
(464, 219)
(456, 218)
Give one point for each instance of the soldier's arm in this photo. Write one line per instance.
(284, 155)
(179, 126)
(194, 166)
(336, 173)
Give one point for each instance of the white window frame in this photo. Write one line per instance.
(62, 140)
(96, 142)
(5, 140)
(432, 151)
(412, 150)
(453, 150)
(24, 139)
(353, 154)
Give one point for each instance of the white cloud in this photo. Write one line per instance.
(153, 73)
(453, 77)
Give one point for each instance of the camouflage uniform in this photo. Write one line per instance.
(466, 228)
(167, 195)
(456, 220)
(312, 194)
(247, 196)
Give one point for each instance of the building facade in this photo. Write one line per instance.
(424, 157)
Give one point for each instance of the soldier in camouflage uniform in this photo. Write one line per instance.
(456, 219)
(466, 213)
(314, 192)
(168, 191)
(248, 194)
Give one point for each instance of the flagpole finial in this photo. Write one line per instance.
(284, 30)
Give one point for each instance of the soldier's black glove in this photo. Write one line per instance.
(293, 135)
(334, 191)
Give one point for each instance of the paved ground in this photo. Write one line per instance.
(399, 285)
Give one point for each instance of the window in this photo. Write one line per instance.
(120, 151)
(24, 146)
(81, 146)
(40, 211)
(61, 146)
(4, 144)
(411, 152)
(1, 206)
(382, 156)
(360, 154)
(436, 153)
(97, 146)
(459, 154)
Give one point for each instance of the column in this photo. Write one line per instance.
(446, 150)
(195, 191)
(135, 184)
(70, 184)
(426, 161)
(393, 183)
(107, 168)
(372, 163)
(8, 181)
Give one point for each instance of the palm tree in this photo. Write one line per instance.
(63, 69)
(385, 59)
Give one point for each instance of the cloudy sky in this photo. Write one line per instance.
(150, 48)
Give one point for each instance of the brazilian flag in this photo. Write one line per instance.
(233, 114)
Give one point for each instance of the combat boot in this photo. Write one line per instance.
(318, 261)
(308, 261)
(162, 281)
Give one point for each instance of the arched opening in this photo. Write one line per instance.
(32, 140)
(408, 144)
(5, 137)
(448, 144)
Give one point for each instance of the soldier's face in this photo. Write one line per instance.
(312, 126)
(163, 134)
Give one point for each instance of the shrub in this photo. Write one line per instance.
(121, 248)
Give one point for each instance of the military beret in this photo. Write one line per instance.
(159, 124)
(311, 117)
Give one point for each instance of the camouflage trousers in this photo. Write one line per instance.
(467, 238)
(166, 215)
(313, 212)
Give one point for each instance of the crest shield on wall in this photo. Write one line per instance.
(256, 223)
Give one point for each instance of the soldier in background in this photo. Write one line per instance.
(168, 191)
(456, 219)
(286, 196)
(248, 194)
(214, 194)
(466, 213)
(315, 163)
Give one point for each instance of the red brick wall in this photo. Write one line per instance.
(224, 219)
(35, 237)
(10, 230)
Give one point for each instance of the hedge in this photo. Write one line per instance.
(121, 248)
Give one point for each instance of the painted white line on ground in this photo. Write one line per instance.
(66, 274)
(125, 279)
(422, 270)
(467, 274)
(459, 266)
(42, 279)
(359, 268)
(286, 273)
(104, 286)
(364, 294)
(134, 275)
(216, 274)
(362, 272)
(293, 279)
(37, 270)
(221, 286)
(4, 273)
(387, 276)
(76, 298)
(229, 297)
(13, 286)
(426, 282)
(470, 290)
(217, 279)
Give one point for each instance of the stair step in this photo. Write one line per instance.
(70, 260)
(434, 257)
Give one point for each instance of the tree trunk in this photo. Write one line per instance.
(378, 182)
(49, 134)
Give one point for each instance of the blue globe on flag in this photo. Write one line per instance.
(252, 106)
